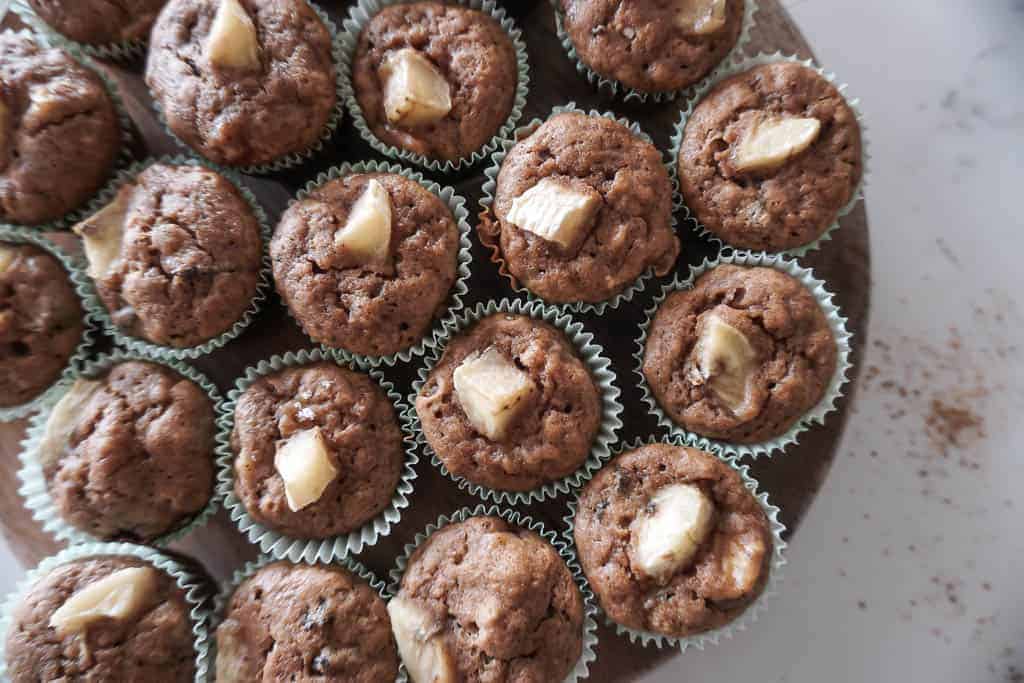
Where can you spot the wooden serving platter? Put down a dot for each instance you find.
(792, 479)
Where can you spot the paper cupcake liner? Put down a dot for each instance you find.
(582, 668)
(185, 579)
(291, 159)
(752, 611)
(731, 69)
(279, 545)
(489, 190)
(590, 352)
(124, 50)
(80, 281)
(615, 88)
(34, 490)
(464, 258)
(816, 415)
(99, 310)
(361, 14)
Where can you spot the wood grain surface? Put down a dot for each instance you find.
(792, 479)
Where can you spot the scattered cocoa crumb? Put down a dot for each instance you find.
(861, 604)
(947, 424)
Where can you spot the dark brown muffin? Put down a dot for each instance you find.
(630, 231)
(99, 22)
(129, 455)
(357, 424)
(40, 321)
(497, 603)
(470, 50)
(652, 46)
(153, 644)
(299, 622)
(776, 207)
(239, 111)
(710, 580)
(340, 300)
(59, 132)
(771, 363)
(184, 255)
(551, 435)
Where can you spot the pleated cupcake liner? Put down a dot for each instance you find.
(192, 585)
(592, 355)
(457, 206)
(33, 487)
(616, 88)
(80, 281)
(489, 191)
(291, 159)
(119, 51)
(727, 70)
(282, 546)
(751, 613)
(99, 310)
(565, 551)
(361, 14)
(814, 416)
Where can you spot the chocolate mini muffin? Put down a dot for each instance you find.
(741, 356)
(318, 450)
(59, 132)
(243, 82)
(41, 321)
(583, 207)
(99, 22)
(175, 256)
(366, 262)
(653, 46)
(128, 455)
(434, 79)
(102, 618)
(510, 405)
(300, 622)
(671, 540)
(770, 156)
(483, 600)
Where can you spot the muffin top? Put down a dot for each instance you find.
(583, 207)
(318, 450)
(243, 82)
(653, 46)
(289, 620)
(51, 108)
(371, 294)
(40, 321)
(769, 157)
(506, 609)
(434, 79)
(741, 356)
(175, 256)
(128, 455)
(671, 540)
(99, 22)
(147, 637)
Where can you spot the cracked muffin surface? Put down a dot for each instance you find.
(59, 132)
(99, 22)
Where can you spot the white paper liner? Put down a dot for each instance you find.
(592, 355)
(124, 50)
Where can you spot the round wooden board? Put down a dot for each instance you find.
(792, 479)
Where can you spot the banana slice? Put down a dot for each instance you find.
(64, 418)
(700, 17)
(492, 391)
(7, 255)
(771, 141)
(423, 651)
(415, 91)
(117, 596)
(367, 232)
(103, 232)
(726, 361)
(557, 211)
(304, 463)
(233, 42)
(741, 558)
(665, 538)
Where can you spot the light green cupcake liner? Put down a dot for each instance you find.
(464, 259)
(816, 415)
(283, 547)
(80, 281)
(582, 668)
(185, 579)
(489, 190)
(34, 490)
(731, 69)
(751, 613)
(615, 88)
(590, 352)
(292, 159)
(139, 345)
(361, 14)
(122, 51)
